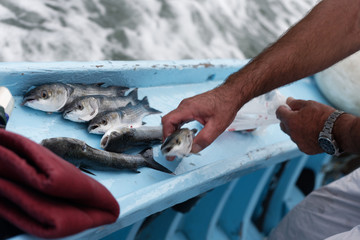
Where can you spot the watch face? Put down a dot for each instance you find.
(327, 145)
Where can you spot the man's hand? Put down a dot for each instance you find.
(215, 109)
(303, 122)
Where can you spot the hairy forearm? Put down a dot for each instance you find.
(346, 133)
(329, 33)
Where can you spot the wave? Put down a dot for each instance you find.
(87, 30)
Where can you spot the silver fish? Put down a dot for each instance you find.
(123, 139)
(83, 109)
(54, 97)
(179, 143)
(130, 116)
(83, 156)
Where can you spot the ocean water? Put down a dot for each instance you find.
(87, 30)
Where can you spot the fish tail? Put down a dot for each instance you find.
(147, 153)
(145, 103)
(134, 94)
(120, 90)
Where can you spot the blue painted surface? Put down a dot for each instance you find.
(165, 83)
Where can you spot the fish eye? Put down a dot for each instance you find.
(104, 122)
(81, 107)
(178, 141)
(44, 94)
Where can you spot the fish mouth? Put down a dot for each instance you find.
(27, 99)
(93, 127)
(165, 150)
(104, 141)
(65, 113)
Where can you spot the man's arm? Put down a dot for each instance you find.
(329, 33)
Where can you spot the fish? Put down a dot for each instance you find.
(54, 97)
(128, 116)
(86, 157)
(179, 143)
(85, 108)
(120, 140)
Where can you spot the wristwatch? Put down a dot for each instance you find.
(326, 138)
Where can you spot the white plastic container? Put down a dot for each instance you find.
(6, 105)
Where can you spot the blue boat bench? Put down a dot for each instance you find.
(242, 184)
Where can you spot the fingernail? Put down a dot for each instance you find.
(196, 148)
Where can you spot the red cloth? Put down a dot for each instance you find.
(46, 196)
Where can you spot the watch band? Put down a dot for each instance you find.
(326, 137)
(329, 123)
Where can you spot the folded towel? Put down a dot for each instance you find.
(45, 195)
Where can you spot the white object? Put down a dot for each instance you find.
(6, 100)
(258, 112)
(340, 84)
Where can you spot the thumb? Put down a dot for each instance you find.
(283, 112)
(205, 137)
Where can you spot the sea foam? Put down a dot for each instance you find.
(87, 30)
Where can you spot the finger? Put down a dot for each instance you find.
(283, 128)
(174, 120)
(283, 112)
(295, 104)
(205, 137)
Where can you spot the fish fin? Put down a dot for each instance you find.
(86, 171)
(135, 170)
(143, 123)
(134, 94)
(121, 91)
(153, 111)
(147, 153)
(145, 103)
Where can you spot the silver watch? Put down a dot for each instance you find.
(326, 138)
